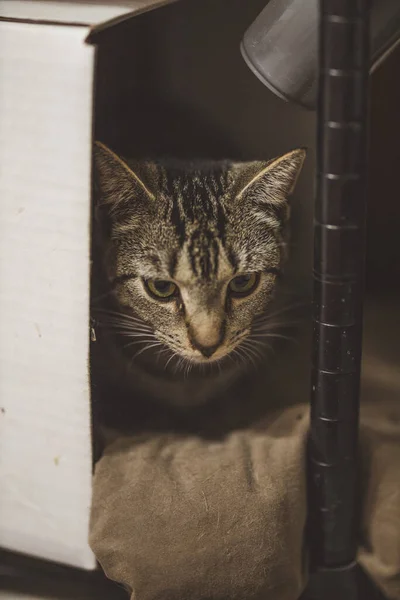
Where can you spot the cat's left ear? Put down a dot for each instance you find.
(270, 183)
(118, 184)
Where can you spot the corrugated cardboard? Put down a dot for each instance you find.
(46, 102)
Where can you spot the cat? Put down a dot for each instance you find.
(187, 262)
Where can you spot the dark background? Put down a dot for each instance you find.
(173, 82)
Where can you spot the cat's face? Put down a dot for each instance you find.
(194, 252)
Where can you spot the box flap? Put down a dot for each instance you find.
(97, 14)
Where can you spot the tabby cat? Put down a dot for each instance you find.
(187, 261)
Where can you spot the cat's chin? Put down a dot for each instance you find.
(198, 360)
(182, 383)
(202, 360)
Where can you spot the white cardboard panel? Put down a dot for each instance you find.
(88, 12)
(46, 87)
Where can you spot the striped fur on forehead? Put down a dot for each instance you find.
(217, 214)
(195, 191)
(197, 212)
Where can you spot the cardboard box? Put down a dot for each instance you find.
(47, 73)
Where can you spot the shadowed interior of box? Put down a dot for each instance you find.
(173, 83)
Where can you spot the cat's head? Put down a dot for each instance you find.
(194, 251)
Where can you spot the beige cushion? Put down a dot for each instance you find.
(380, 537)
(179, 517)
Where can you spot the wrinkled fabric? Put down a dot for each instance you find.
(175, 517)
(379, 552)
(178, 517)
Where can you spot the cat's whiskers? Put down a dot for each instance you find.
(120, 315)
(140, 341)
(258, 344)
(148, 347)
(173, 355)
(247, 345)
(188, 368)
(265, 326)
(239, 352)
(123, 324)
(267, 335)
(271, 324)
(132, 328)
(164, 351)
(249, 349)
(128, 330)
(178, 365)
(120, 323)
(267, 316)
(251, 353)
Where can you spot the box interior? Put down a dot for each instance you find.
(172, 82)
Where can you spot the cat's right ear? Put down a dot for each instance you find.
(116, 184)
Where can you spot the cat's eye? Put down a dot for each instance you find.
(161, 288)
(243, 285)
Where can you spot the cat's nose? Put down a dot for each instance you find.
(207, 351)
(206, 331)
(208, 339)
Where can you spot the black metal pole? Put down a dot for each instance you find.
(339, 254)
